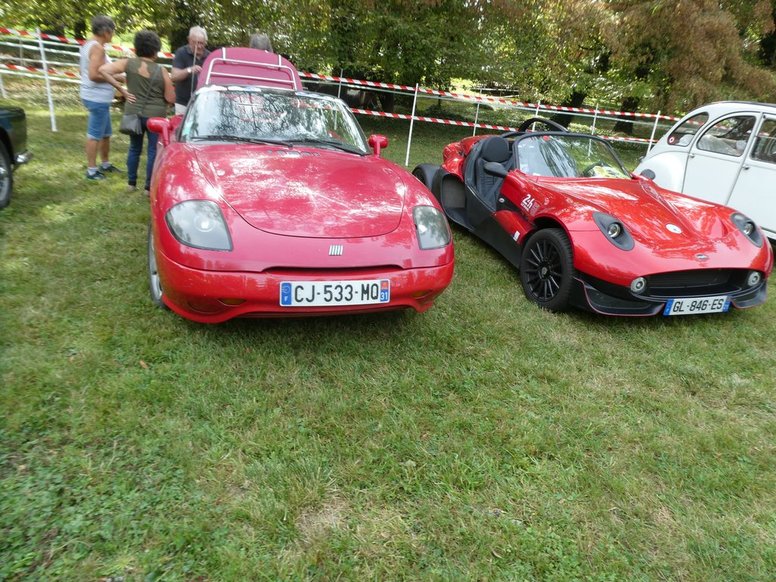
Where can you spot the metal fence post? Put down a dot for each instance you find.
(476, 118)
(48, 81)
(654, 129)
(412, 122)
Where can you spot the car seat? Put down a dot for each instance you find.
(487, 187)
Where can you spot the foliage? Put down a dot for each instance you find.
(668, 54)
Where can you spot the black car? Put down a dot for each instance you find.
(13, 147)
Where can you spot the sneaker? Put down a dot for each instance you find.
(110, 169)
(96, 176)
(131, 188)
(147, 192)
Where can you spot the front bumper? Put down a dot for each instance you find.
(594, 295)
(217, 296)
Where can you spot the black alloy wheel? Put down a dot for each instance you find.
(547, 269)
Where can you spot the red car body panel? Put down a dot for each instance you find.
(294, 213)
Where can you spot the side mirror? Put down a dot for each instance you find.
(495, 169)
(378, 142)
(175, 121)
(648, 174)
(161, 126)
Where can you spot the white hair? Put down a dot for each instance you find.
(198, 31)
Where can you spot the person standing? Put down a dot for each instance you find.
(150, 90)
(186, 65)
(97, 95)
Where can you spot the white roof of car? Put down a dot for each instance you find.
(723, 107)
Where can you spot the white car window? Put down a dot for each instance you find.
(682, 135)
(728, 136)
(764, 148)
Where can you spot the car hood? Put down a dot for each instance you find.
(305, 191)
(653, 216)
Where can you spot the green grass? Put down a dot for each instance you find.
(484, 439)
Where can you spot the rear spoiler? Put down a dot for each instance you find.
(247, 66)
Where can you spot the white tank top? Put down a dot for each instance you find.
(100, 92)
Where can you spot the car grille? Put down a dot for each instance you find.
(696, 282)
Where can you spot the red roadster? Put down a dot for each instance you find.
(585, 232)
(267, 201)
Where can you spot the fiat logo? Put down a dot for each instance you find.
(336, 250)
(673, 228)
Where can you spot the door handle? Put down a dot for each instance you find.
(746, 167)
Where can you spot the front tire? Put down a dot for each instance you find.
(154, 282)
(6, 176)
(547, 269)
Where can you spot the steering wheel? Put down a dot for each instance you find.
(530, 121)
(548, 122)
(586, 171)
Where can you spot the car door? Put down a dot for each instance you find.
(717, 156)
(754, 193)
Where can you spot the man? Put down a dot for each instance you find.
(97, 95)
(186, 65)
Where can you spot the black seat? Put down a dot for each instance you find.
(486, 186)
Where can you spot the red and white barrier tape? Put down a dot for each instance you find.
(472, 124)
(67, 40)
(52, 72)
(484, 99)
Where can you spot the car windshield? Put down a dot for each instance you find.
(568, 156)
(253, 115)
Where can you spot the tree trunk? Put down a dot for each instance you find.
(576, 99)
(626, 125)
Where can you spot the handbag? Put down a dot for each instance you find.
(130, 122)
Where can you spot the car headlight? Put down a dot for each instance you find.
(431, 226)
(747, 226)
(614, 230)
(199, 224)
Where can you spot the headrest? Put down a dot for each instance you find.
(495, 149)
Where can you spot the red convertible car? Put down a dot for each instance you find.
(267, 200)
(585, 232)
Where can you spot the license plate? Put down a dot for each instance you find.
(697, 305)
(326, 293)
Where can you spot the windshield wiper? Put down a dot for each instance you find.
(237, 138)
(331, 143)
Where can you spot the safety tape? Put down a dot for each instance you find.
(472, 124)
(485, 99)
(405, 88)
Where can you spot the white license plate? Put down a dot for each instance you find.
(696, 305)
(326, 293)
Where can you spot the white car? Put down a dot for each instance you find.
(723, 152)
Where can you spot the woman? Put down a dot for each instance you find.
(149, 91)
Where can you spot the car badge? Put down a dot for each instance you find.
(336, 250)
(673, 228)
(702, 257)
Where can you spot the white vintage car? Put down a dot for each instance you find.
(723, 152)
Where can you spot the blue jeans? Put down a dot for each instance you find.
(98, 123)
(136, 149)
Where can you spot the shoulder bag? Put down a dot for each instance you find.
(130, 122)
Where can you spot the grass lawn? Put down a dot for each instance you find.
(482, 440)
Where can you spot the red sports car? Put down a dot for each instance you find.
(585, 232)
(267, 200)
